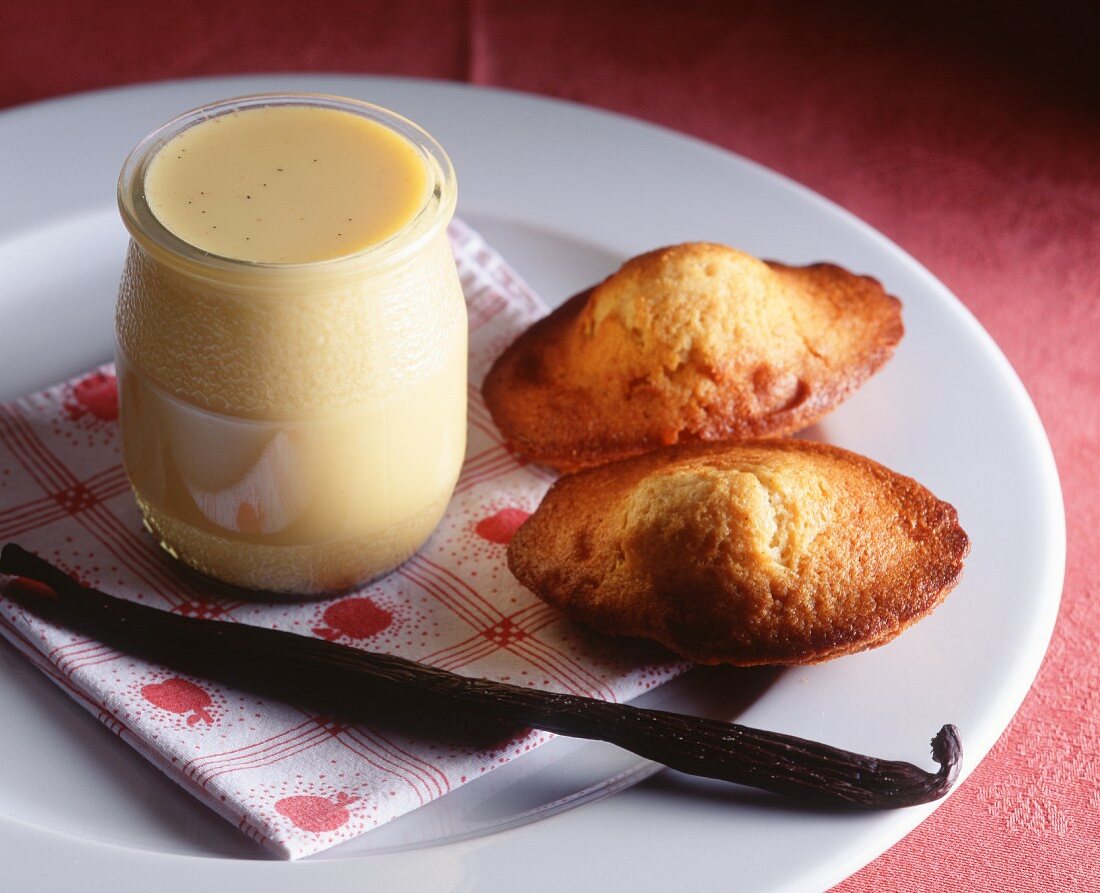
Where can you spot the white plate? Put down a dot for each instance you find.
(565, 193)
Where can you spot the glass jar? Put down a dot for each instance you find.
(293, 427)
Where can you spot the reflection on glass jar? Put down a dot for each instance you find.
(296, 426)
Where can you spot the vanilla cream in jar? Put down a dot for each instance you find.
(291, 340)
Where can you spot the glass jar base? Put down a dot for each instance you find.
(306, 570)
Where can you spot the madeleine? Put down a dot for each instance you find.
(695, 342)
(762, 552)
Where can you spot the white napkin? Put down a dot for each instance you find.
(295, 782)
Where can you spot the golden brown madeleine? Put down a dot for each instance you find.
(694, 342)
(761, 552)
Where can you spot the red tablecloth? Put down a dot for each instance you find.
(967, 132)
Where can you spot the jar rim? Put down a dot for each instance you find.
(146, 228)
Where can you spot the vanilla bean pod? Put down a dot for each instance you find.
(360, 686)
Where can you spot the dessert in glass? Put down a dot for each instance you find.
(291, 340)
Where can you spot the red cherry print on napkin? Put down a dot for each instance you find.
(356, 618)
(501, 527)
(180, 696)
(316, 813)
(96, 394)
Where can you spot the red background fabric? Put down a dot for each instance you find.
(967, 132)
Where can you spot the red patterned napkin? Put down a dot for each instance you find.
(295, 782)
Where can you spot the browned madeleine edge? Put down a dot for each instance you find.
(602, 488)
(566, 429)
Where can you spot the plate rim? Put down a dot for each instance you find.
(1012, 696)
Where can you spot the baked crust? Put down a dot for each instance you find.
(761, 552)
(694, 342)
